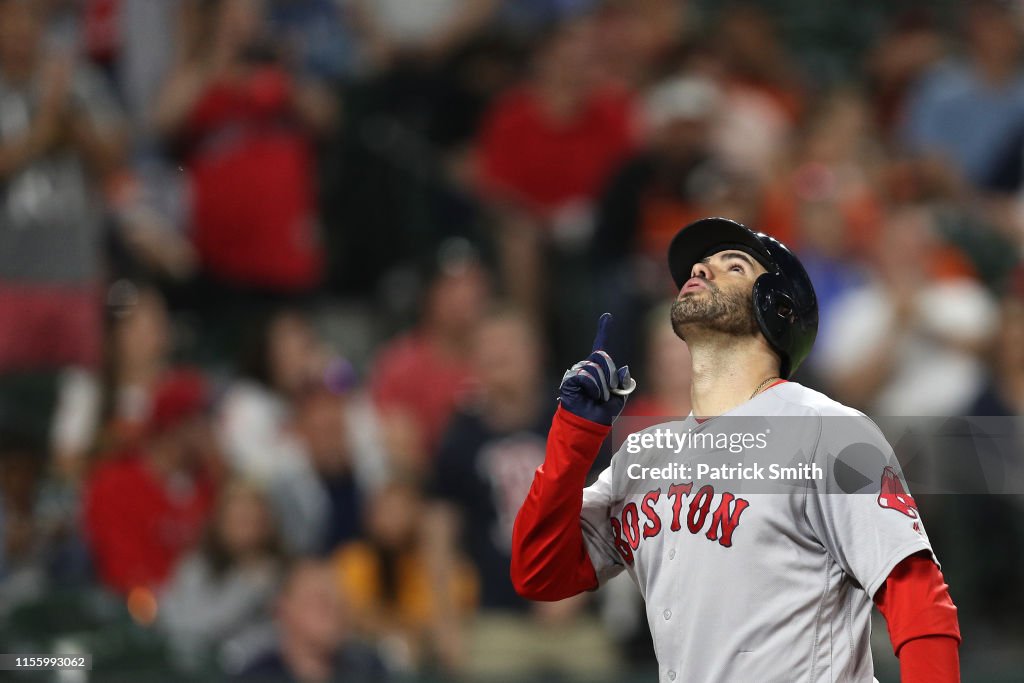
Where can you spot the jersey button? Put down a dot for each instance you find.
(667, 614)
(671, 675)
(671, 554)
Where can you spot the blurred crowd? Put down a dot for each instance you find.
(286, 287)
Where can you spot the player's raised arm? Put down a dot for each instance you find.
(549, 556)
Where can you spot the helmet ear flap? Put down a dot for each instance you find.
(776, 314)
(788, 325)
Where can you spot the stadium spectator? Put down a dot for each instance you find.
(314, 642)
(671, 181)
(320, 422)
(906, 49)
(245, 128)
(1003, 393)
(108, 414)
(756, 59)
(552, 142)
(836, 162)
(826, 201)
(389, 579)
(226, 586)
(144, 509)
(908, 341)
(130, 42)
(963, 112)
(296, 423)
(674, 179)
(138, 354)
(59, 137)
(283, 361)
(484, 468)
(418, 378)
(831, 249)
(763, 91)
(492, 446)
(637, 39)
(546, 149)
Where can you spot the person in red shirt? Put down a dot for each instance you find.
(246, 129)
(555, 139)
(418, 378)
(145, 509)
(546, 149)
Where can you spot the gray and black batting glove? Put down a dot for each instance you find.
(595, 389)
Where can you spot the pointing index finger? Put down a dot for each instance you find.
(604, 323)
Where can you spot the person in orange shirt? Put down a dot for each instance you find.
(405, 589)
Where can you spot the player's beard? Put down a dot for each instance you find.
(728, 313)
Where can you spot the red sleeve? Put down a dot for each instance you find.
(549, 558)
(922, 621)
(930, 658)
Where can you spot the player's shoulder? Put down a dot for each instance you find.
(799, 399)
(836, 422)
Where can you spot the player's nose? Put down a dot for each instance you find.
(701, 270)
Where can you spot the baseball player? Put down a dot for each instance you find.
(752, 587)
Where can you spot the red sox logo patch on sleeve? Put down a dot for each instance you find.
(893, 496)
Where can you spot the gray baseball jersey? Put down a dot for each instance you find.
(744, 582)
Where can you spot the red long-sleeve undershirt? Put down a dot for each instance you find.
(549, 557)
(550, 560)
(921, 616)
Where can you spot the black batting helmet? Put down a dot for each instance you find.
(784, 301)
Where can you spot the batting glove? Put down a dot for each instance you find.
(595, 389)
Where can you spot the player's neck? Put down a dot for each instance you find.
(725, 375)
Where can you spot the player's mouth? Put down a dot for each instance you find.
(694, 284)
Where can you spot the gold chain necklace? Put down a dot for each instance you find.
(761, 386)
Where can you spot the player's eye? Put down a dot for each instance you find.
(737, 268)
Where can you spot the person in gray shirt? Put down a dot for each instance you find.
(225, 588)
(60, 138)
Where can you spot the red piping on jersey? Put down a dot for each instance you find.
(922, 621)
(549, 557)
